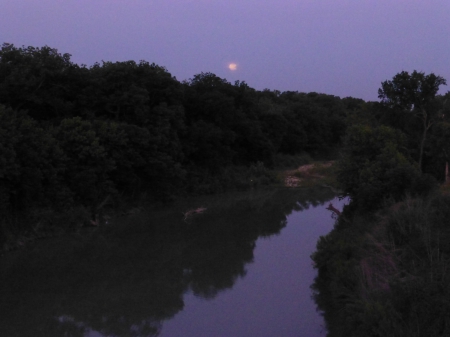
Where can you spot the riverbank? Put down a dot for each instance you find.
(155, 263)
(78, 218)
(386, 273)
(318, 173)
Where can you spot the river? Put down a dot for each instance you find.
(242, 268)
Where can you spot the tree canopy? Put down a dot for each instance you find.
(82, 133)
(414, 93)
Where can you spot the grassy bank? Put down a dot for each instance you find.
(386, 274)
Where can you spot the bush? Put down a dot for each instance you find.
(387, 275)
(375, 166)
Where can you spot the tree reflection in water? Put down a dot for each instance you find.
(127, 278)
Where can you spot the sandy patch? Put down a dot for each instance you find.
(306, 171)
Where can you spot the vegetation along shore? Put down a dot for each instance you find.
(383, 270)
(80, 144)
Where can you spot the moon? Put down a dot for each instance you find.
(232, 66)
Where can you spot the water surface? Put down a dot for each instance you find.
(242, 268)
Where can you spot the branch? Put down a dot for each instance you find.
(333, 209)
(193, 212)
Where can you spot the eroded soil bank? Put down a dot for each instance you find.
(317, 173)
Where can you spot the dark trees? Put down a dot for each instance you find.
(86, 163)
(223, 127)
(39, 80)
(414, 94)
(71, 135)
(127, 91)
(30, 168)
(316, 122)
(375, 165)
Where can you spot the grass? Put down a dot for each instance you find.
(389, 271)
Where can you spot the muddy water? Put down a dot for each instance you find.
(242, 268)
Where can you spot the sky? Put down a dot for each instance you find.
(338, 47)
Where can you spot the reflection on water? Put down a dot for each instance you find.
(132, 277)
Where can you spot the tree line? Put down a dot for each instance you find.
(383, 270)
(401, 146)
(72, 135)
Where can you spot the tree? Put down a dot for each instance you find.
(127, 91)
(414, 94)
(437, 149)
(30, 166)
(39, 80)
(87, 164)
(223, 127)
(375, 166)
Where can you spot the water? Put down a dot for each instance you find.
(242, 268)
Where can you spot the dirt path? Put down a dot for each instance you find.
(294, 178)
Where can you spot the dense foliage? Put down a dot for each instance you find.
(383, 270)
(76, 136)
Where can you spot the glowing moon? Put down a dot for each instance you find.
(232, 66)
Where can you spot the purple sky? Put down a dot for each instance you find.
(339, 47)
